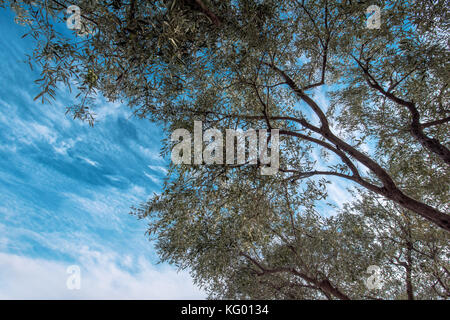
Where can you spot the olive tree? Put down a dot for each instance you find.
(382, 127)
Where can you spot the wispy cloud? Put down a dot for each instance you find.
(158, 168)
(101, 278)
(152, 178)
(89, 161)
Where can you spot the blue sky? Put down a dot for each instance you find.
(66, 190)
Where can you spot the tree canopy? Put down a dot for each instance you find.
(366, 106)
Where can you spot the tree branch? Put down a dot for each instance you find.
(325, 284)
(416, 128)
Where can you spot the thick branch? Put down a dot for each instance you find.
(416, 128)
(434, 123)
(325, 284)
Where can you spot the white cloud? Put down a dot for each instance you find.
(153, 155)
(101, 278)
(338, 193)
(29, 132)
(89, 161)
(155, 180)
(64, 146)
(138, 190)
(158, 168)
(106, 109)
